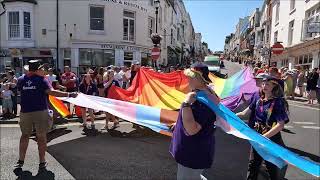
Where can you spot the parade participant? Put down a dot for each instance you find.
(270, 115)
(274, 72)
(34, 89)
(12, 80)
(134, 70)
(126, 74)
(89, 88)
(193, 140)
(312, 85)
(288, 79)
(300, 82)
(117, 76)
(108, 82)
(99, 79)
(69, 79)
(6, 95)
(50, 76)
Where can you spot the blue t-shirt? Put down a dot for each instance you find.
(196, 151)
(33, 93)
(88, 90)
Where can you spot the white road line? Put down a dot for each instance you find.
(307, 123)
(311, 127)
(288, 127)
(306, 107)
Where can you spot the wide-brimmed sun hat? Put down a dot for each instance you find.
(198, 68)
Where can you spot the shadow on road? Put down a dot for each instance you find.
(27, 175)
(54, 134)
(305, 154)
(116, 155)
(288, 131)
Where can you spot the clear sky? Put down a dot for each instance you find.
(216, 19)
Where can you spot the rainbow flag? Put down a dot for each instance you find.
(168, 90)
(59, 106)
(161, 120)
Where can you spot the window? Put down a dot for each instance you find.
(292, 4)
(97, 18)
(150, 26)
(165, 13)
(305, 59)
(300, 59)
(27, 25)
(14, 25)
(128, 26)
(96, 57)
(312, 16)
(128, 58)
(290, 34)
(275, 37)
(165, 38)
(178, 34)
(171, 37)
(310, 58)
(277, 11)
(151, 2)
(67, 57)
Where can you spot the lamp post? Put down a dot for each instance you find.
(157, 5)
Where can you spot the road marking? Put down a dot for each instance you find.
(307, 123)
(311, 127)
(9, 125)
(288, 127)
(306, 107)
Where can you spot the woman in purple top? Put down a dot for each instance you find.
(193, 141)
(270, 115)
(89, 88)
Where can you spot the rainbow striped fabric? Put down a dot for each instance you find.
(168, 90)
(160, 121)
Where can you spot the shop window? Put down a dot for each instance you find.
(97, 57)
(67, 57)
(310, 58)
(290, 34)
(305, 59)
(150, 26)
(296, 60)
(97, 18)
(128, 26)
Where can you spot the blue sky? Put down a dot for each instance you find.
(216, 19)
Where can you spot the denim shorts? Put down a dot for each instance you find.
(7, 103)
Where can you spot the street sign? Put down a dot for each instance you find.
(155, 53)
(277, 48)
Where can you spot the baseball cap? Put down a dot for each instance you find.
(261, 76)
(33, 65)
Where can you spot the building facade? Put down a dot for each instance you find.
(90, 33)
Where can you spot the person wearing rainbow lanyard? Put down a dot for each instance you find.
(270, 115)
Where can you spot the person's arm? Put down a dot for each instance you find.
(245, 113)
(108, 83)
(189, 123)
(58, 93)
(274, 130)
(73, 78)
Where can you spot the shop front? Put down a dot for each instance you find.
(89, 55)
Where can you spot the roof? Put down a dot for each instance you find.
(27, 1)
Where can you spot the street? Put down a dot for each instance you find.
(126, 153)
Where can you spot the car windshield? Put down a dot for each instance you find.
(212, 63)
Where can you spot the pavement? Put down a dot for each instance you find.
(129, 153)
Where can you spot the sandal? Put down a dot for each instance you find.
(115, 125)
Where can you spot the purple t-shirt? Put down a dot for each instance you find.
(33, 95)
(196, 151)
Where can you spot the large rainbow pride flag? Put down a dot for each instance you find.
(168, 90)
(160, 121)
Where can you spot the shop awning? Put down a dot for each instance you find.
(178, 50)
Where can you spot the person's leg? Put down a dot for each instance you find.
(254, 165)
(15, 105)
(184, 173)
(84, 116)
(92, 118)
(273, 171)
(318, 95)
(42, 146)
(107, 120)
(26, 129)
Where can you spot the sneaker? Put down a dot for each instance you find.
(85, 128)
(93, 126)
(43, 166)
(19, 164)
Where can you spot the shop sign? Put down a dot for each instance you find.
(5, 53)
(122, 47)
(128, 4)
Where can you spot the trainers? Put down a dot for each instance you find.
(93, 126)
(19, 164)
(43, 166)
(85, 128)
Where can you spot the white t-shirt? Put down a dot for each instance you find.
(51, 78)
(118, 77)
(6, 94)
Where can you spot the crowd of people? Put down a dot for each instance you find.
(296, 82)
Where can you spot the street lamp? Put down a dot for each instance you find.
(157, 5)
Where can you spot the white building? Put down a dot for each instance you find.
(91, 33)
(198, 43)
(291, 21)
